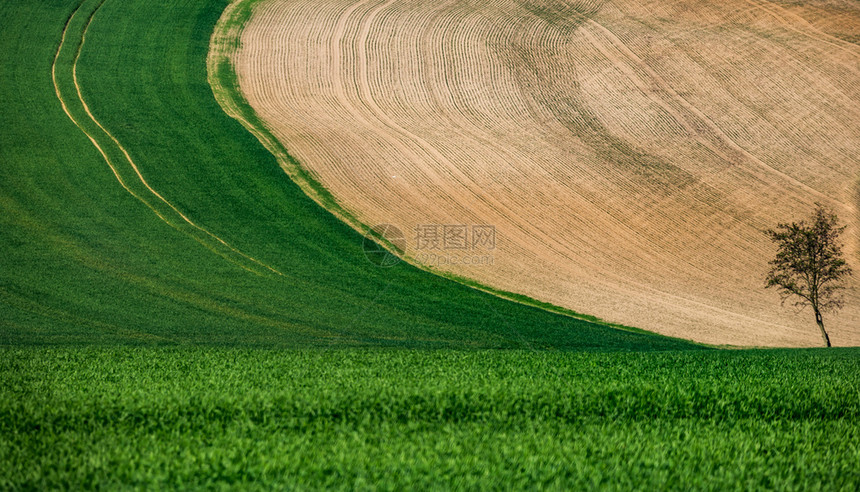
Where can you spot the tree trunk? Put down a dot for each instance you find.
(821, 327)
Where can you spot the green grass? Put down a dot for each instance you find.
(86, 263)
(395, 419)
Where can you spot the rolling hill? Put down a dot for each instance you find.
(136, 212)
(628, 154)
(183, 305)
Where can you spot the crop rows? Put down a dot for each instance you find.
(628, 153)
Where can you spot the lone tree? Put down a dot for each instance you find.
(809, 266)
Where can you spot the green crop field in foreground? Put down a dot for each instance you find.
(395, 419)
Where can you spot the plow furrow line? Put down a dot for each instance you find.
(629, 153)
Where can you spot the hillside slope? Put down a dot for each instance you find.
(173, 225)
(628, 153)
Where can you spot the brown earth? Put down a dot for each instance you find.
(628, 153)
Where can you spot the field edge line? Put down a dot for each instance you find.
(223, 80)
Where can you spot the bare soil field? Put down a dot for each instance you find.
(627, 153)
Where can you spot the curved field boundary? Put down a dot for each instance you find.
(87, 263)
(225, 86)
(630, 153)
(80, 21)
(222, 78)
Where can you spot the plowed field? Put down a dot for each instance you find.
(627, 153)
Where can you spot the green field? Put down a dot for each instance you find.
(230, 331)
(396, 419)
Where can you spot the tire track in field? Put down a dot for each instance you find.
(80, 127)
(184, 218)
